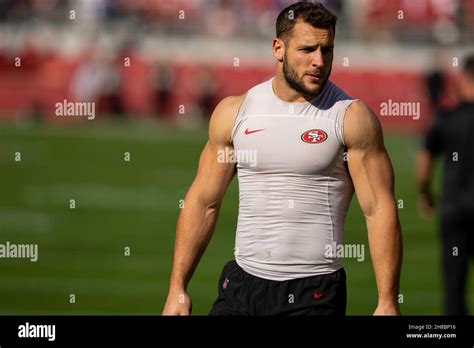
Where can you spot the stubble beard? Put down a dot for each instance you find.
(297, 83)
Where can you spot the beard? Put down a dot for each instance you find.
(297, 83)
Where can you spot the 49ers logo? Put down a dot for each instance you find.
(314, 136)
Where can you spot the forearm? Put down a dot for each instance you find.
(194, 229)
(424, 164)
(386, 249)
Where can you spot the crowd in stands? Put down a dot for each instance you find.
(33, 30)
(448, 21)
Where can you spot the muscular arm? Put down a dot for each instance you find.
(372, 175)
(202, 202)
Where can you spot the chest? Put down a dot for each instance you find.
(291, 144)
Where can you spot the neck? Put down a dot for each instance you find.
(283, 91)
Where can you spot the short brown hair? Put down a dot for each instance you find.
(315, 14)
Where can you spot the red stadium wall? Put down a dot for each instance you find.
(42, 81)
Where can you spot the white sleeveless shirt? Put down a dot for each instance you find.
(294, 185)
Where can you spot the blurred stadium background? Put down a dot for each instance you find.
(155, 69)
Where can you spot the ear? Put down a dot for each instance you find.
(278, 49)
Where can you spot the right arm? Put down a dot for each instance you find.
(433, 146)
(424, 172)
(202, 202)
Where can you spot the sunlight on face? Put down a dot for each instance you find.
(308, 58)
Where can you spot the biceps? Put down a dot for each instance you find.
(214, 174)
(372, 175)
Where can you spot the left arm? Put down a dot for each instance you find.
(373, 178)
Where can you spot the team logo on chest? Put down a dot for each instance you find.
(314, 136)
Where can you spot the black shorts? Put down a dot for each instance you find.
(241, 293)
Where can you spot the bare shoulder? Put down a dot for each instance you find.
(361, 126)
(222, 119)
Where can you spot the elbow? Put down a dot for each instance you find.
(386, 209)
(209, 204)
(213, 206)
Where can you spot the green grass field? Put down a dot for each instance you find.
(135, 204)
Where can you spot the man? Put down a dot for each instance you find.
(295, 187)
(452, 137)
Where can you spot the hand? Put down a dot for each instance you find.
(426, 204)
(387, 309)
(178, 303)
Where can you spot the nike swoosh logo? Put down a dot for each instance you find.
(247, 131)
(321, 294)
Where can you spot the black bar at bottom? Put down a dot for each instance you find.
(155, 330)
